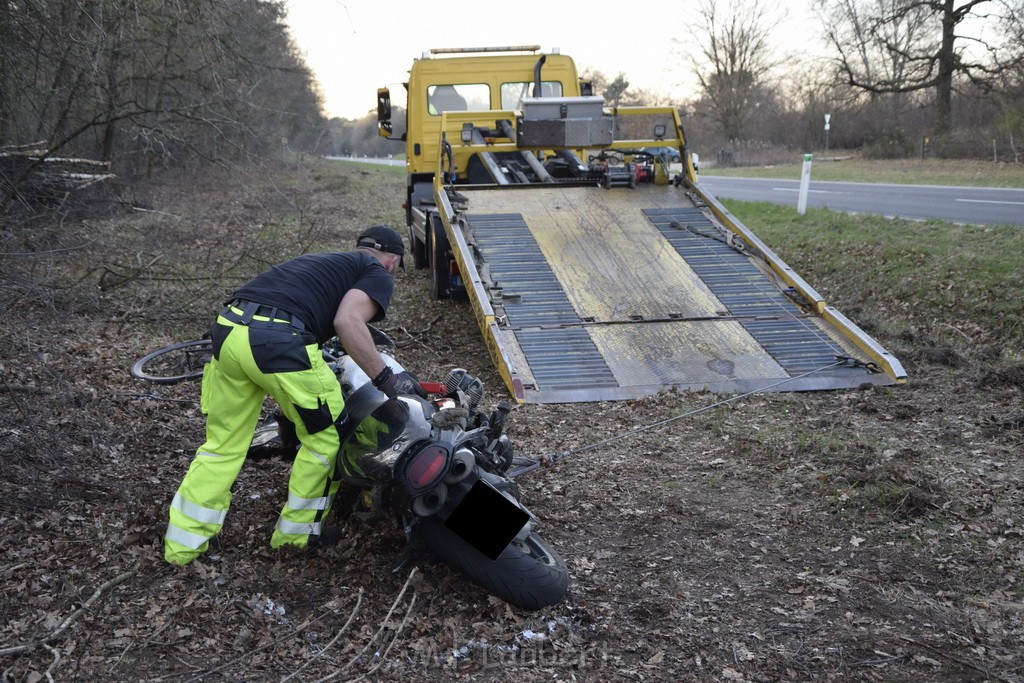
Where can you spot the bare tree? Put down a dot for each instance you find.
(732, 61)
(908, 46)
(139, 81)
(852, 28)
(1010, 91)
(615, 91)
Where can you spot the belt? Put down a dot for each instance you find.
(242, 312)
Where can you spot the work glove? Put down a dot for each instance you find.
(393, 384)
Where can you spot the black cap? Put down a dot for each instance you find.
(383, 238)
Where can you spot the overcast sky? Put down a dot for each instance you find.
(356, 46)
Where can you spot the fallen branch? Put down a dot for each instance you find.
(957, 330)
(28, 647)
(27, 389)
(961, 662)
(288, 636)
(161, 213)
(32, 175)
(30, 421)
(87, 162)
(394, 639)
(168, 620)
(380, 630)
(416, 339)
(84, 180)
(119, 279)
(351, 616)
(56, 660)
(31, 146)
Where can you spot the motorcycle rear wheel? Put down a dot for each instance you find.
(529, 575)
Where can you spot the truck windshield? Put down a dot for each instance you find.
(512, 93)
(462, 97)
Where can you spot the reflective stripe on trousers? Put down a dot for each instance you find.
(208, 517)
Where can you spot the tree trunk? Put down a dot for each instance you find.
(110, 128)
(943, 121)
(6, 62)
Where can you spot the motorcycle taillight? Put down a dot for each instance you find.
(426, 467)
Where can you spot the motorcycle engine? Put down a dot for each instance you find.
(470, 388)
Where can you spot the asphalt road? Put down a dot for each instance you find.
(974, 205)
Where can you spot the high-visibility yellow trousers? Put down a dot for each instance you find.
(251, 361)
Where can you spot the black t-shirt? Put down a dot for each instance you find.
(311, 287)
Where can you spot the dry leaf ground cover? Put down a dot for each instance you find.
(856, 535)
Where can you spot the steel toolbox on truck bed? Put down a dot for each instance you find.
(593, 272)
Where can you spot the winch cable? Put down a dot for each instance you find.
(549, 460)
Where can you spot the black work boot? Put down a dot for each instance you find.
(329, 536)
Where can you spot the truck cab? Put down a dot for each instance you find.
(507, 116)
(493, 80)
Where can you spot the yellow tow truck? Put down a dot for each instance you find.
(597, 268)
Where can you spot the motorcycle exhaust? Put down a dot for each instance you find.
(429, 503)
(461, 465)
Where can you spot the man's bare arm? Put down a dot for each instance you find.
(354, 312)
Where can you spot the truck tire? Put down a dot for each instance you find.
(418, 250)
(440, 274)
(529, 575)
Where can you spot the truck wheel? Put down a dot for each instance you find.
(440, 271)
(418, 250)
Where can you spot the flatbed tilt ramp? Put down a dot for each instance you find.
(591, 293)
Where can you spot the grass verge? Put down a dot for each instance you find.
(901, 277)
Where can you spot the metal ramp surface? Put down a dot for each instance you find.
(611, 294)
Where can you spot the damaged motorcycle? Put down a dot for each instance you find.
(439, 467)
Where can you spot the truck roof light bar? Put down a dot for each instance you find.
(465, 50)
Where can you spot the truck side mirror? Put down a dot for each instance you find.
(586, 88)
(384, 127)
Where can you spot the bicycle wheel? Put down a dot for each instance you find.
(174, 363)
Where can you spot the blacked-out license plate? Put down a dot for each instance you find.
(487, 520)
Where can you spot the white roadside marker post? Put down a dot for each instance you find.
(805, 183)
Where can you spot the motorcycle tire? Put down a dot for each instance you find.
(529, 575)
